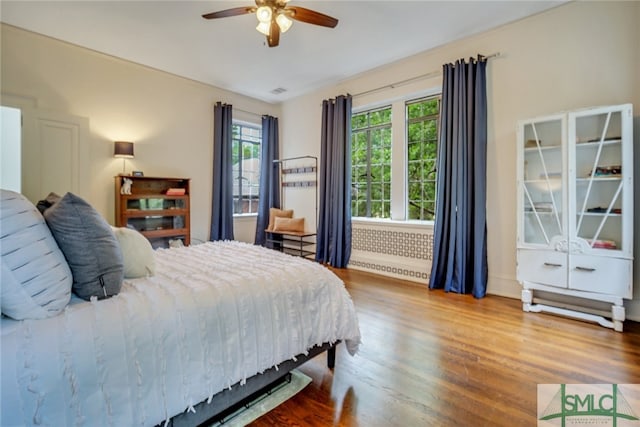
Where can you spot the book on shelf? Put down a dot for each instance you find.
(603, 244)
(176, 192)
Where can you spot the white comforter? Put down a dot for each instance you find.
(214, 314)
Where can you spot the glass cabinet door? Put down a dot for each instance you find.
(542, 189)
(598, 197)
(156, 213)
(157, 222)
(155, 203)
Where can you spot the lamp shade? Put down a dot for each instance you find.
(264, 28)
(123, 149)
(264, 14)
(284, 22)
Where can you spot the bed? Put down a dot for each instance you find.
(213, 317)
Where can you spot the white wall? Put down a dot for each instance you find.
(578, 55)
(10, 171)
(169, 118)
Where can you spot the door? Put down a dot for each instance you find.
(10, 149)
(55, 154)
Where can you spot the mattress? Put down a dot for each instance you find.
(213, 315)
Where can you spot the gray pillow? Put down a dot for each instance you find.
(90, 247)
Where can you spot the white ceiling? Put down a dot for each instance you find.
(229, 52)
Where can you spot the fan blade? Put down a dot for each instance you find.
(310, 16)
(230, 12)
(273, 39)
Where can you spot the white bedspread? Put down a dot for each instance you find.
(214, 314)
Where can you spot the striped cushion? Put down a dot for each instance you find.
(36, 279)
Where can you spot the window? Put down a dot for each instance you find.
(422, 150)
(246, 141)
(394, 158)
(371, 163)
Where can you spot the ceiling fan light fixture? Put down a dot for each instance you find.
(264, 14)
(284, 22)
(276, 17)
(264, 28)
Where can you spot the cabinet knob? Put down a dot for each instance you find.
(587, 269)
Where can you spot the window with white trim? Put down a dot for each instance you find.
(422, 152)
(371, 163)
(246, 144)
(394, 158)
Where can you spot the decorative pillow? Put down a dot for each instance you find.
(89, 245)
(36, 279)
(137, 253)
(278, 213)
(45, 204)
(289, 224)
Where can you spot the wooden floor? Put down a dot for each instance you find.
(429, 358)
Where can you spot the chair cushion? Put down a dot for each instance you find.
(36, 279)
(89, 245)
(289, 224)
(278, 213)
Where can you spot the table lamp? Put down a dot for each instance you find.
(123, 149)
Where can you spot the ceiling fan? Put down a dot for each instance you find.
(275, 16)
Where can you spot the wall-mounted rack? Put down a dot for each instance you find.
(307, 169)
(299, 184)
(302, 177)
(307, 177)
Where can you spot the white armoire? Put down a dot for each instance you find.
(575, 213)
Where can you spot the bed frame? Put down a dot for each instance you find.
(238, 395)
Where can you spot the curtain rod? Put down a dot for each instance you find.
(412, 79)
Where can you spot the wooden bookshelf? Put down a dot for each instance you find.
(148, 209)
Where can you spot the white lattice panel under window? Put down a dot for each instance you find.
(398, 250)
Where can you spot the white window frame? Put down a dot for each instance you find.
(399, 209)
(252, 125)
(370, 129)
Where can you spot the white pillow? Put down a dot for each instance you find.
(36, 279)
(139, 257)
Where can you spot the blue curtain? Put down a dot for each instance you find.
(460, 238)
(333, 245)
(222, 200)
(269, 176)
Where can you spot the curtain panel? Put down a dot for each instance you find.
(460, 231)
(333, 245)
(222, 195)
(269, 176)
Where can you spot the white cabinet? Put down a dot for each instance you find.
(575, 213)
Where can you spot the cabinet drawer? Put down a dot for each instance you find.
(601, 274)
(545, 267)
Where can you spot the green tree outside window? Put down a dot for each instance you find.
(422, 151)
(371, 163)
(245, 154)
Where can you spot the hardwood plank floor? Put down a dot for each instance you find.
(429, 358)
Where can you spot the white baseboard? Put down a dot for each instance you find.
(503, 287)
